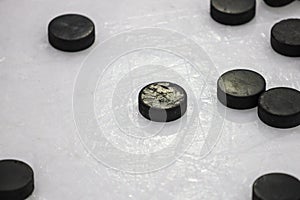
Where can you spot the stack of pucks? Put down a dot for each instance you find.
(280, 107)
(232, 12)
(71, 32)
(240, 88)
(285, 37)
(278, 3)
(276, 186)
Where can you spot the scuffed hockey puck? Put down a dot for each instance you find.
(276, 186)
(233, 12)
(280, 107)
(240, 88)
(285, 37)
(162, 101)
(71, 32)
(16, 180)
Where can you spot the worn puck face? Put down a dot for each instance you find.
(285, 37)
(280, 107)
(276, 186)
(16, 180)
(71, 32)
(278, 3)
(162, 101)
(240, 89)
(233, 12)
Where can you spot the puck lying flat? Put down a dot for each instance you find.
(162, 102)
(16, 180)
(71, 32)
(280, 107)
(278, 3)
(233, 12)
(285, 37)
(276, 186)
(240, 89)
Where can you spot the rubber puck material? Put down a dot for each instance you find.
(240, 88)
(16, 180)
(278, 3)
(233, 12)
(162, 101)
(280, 107)
(276, 186)
(71, 32)
(285, 37)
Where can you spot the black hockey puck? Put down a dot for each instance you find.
(162, 101)
(285, 37)
(16, 180)
(71, 32)
(280, 107)
(233, 12)
(240, 89)
(278, 3)
(276, 186)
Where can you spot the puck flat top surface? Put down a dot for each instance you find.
(71, 32)
(280, 107)
(276, 186)
(281, 101)
(162, 101)
(278, 3)
(233, 12)
(287, 31)
(16, 180)
(285, 37)
(240, 88)
(162, 95)
(233, 6)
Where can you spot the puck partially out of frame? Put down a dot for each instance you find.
(278, 3)
(16, 180)
(276, 186)
(233, 12)
(240, 88)
(71, 32)
(285, 37)
(162, 101)
(280, 107)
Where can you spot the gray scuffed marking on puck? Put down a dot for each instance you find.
(162, 101)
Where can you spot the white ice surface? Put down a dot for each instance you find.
(36, 114)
